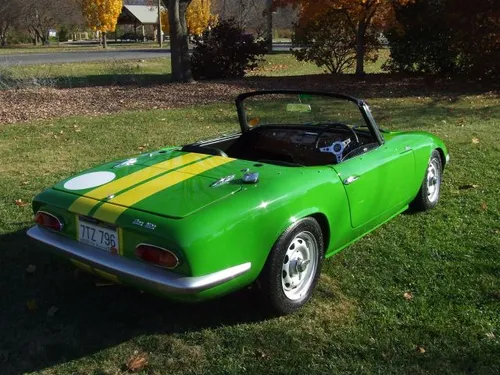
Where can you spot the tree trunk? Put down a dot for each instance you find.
(3, 34)
(269, 30)
(159, 35)
(179, 47)
(360, 49)
(104, 40)
(186, 60)
(175, 33)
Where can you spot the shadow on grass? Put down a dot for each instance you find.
(141, 80)
(88, 318)
(103, 80)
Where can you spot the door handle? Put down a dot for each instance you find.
(406, 149)
(350, 180)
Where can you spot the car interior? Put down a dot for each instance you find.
(295, 128)
(297, 146)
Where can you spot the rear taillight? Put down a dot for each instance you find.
(157, 255)
(49, 221)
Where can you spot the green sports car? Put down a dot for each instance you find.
(309, 174)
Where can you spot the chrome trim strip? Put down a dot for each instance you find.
(141, 274)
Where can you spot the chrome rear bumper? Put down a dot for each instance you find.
(137, 273)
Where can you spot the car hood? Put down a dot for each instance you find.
(168, 183)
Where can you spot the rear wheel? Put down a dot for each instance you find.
(428, 195)
(293, 267)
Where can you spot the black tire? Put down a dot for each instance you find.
(277, 286)
(428, 195)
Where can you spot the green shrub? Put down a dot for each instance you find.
(225, 51)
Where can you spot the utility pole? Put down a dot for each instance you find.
(160, 39)
(269, 31)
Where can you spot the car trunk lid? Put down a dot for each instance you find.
(172, 184)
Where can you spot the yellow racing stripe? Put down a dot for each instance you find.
(110, 212)
(84, 204)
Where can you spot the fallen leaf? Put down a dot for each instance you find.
(137, 362)
(261, 354)
(468, 186)
(490, 335)
(31, 269)
(484, 206)
(25, 183)
(475, 140)
(20, 203)
(420, 349)
(31, 305)
(52, 311)
(408, 296)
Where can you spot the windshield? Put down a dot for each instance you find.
(299, 109)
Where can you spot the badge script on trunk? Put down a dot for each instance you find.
(140, 223)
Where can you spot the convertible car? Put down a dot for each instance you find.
(309, 174)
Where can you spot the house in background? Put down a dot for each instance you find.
(144, 17)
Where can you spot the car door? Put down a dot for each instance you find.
(378, 182)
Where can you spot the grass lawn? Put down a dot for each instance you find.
(419, 295)
(107, 72)
(143, 71)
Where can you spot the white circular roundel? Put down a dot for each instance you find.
(89, 180)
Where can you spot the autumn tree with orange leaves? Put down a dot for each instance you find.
(198, 17)
(102, 15)
(363, 16)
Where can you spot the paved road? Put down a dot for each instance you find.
(86, 56)
(81, 56)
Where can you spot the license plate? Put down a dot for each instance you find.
(100, 236)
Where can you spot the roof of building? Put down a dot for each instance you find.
(144, 14)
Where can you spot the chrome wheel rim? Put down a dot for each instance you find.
(299, 266)
(433, 181)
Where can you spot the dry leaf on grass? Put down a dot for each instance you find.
(31, 305)
(484, 206)
(137, 362)
(420, 349)
(475, 140)
(52, 311)
(408, 296)
(260, 354)
(468, 186)
(20, 203)
(490, 335)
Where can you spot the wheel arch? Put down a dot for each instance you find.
(442, 156)
(325, 228)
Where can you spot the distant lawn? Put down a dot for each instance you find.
(55, 47)
(285, 64)
(421, 295)
(142, 71)
(84, 74)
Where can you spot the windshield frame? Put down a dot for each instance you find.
(362, 106)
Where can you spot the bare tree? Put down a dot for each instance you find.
(9, 13)
(248, 14)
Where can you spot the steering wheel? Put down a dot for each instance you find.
(336, 148)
